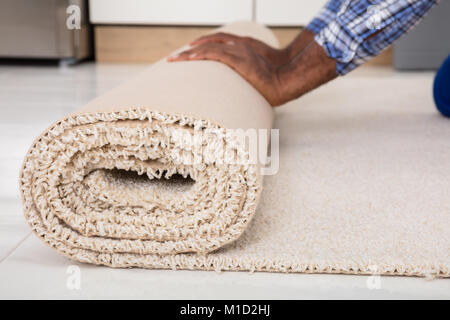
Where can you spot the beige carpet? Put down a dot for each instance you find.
(363, 187)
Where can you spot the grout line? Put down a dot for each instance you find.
(10, 252)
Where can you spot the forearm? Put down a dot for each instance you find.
(309, 69)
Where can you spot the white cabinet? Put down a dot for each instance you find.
(170, 12)
(203, 12)
(287, 12)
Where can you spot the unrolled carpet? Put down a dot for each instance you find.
(110, 185)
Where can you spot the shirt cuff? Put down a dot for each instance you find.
(340, 44)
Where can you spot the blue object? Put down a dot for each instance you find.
(441, 88)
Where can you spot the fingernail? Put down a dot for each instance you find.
(231, 43)
(173, 57)
(192, 55)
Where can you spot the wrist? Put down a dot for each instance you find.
(289, 85)
(299, 44)
(305, 72)
(286, 55)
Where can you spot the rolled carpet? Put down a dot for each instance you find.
(362, 185)
(125, 181)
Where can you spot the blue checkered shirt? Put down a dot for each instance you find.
(353, 31)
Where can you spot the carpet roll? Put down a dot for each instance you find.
(135, 178)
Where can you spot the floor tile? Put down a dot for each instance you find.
(37, 272)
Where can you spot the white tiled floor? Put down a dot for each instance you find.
(31, 97)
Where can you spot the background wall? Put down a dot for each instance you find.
(427, 45)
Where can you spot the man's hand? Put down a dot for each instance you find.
(274, 56)
(279, 75)
(255, 61)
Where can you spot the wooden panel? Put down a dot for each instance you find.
(176, 12)
(287, 12)
(286, 35)
(141, 44)
(146, 44)
(384, 59)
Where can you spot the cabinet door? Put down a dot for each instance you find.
(169, 12)
(287, 12)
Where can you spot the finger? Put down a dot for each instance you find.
(211, 51)
(207, 51)
(220, 37)
(217, 52)
(215, 37)
(183, 56)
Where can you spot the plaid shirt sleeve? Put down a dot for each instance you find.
(325, 16)
(354, 31)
